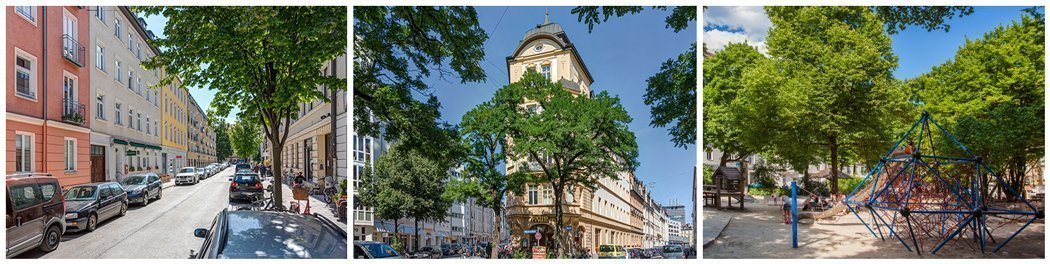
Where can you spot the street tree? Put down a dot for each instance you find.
(567, 141)
(730, 125)
(671, 92)
(262, 60)
(484, 132)
(406, 184)
(833, 78)
(395, 49)
(991, 97)
(245, 139)
(223, 149)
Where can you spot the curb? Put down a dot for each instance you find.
(712, 241)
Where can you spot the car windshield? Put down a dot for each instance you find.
(606, 248)
(672, 249)
(134, 179)
(186, 170)
(380, 250)
(81, 193)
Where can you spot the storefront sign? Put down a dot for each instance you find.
(539, 252)
(530, 231)
(133, 152)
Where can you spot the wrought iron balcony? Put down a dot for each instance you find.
(73, 112)
(73, 51)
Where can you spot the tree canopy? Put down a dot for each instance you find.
(727, 123)
(245, 139)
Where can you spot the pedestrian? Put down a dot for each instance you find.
(787, 209)
(299, 179)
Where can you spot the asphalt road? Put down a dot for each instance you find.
(162, 229)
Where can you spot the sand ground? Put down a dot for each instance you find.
(758, 231)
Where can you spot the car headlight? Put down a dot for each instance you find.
(72, 216)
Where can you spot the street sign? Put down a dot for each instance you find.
(133, 152)
(568, 227)
(539, 252)
(530, 231)
(539, 236)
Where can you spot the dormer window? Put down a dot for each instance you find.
(538, 47)
(546, 71)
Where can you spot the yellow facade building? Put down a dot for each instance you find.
(592, 218)
(173, 127)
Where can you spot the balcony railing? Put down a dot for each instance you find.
(73, 112)
(73, 51)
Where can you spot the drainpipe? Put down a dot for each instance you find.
(43, 82)
(331, 147)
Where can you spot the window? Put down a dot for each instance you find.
(117, 28)
(100, 14)
(709, 157)
(547, 195)
(100, 58)
(533, 195)
(27, 12)
(71, 154)
(546, 70)
(25, 75)
(116, 114)
(100, 103)
(131, 41)
(131, 79)
(23, 152)
(138, 83)
(116, 74)
(138, 122)
(23, 196)
(148, 130)
(131, 117)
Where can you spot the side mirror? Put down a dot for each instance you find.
(193, 254)
(200, 232)
(230, 179)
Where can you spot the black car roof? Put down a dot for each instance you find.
(267, 234)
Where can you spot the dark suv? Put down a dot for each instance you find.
(34, 213)
(270, 234)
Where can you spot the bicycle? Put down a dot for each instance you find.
(328, 191)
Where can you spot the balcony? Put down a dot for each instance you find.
(73, 112)
(73, 51)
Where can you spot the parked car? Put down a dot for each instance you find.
(92, 203)
(456, 249)
(446, 250)
(610, 251)
(141, 187)
(35, 213)
(672, 252)
(242, 166)
(635, 253)
(201, 174)
(238, 235)
(245, 186)
(374, 250)
(428, 252)
(187, 175)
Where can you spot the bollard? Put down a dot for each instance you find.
(794, 215)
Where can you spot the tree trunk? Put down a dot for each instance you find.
(397, 237)
(278, 177)
(558, 215)
(834, 166)
(417, 235)
(494, 244)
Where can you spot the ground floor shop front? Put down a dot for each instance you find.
(583, 231)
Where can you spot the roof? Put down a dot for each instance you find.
(552, 31)
(729, 173)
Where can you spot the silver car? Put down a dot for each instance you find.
(672, 252)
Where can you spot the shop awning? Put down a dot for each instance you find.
(119, 141)
(141, 145)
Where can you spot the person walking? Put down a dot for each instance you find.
(787, 209)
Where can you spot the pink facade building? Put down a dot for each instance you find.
(47, 92)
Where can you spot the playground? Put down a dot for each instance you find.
(759, 231)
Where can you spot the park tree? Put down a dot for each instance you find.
(566, 141)
(484, 136)
(245, 139)
(406, 184)
(223, 149)
(263, 60)
(395, 49)
(991, 97)
(730, 125)
(832, 81)
(671, 92)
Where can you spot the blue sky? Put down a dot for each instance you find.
(621, 54)
(918, 50)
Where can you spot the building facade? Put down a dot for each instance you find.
(311, 145)
(198, 132)
(592, 218)
(126, 116)
(48, 124)
(173, 132)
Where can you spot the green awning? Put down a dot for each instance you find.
(118, 141)
(141, 145)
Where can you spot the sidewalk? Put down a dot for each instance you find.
(714, 224)
(316, 206)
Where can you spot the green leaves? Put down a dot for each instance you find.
(396, 48)
(403, 183)
(671, 94)
(245, 138)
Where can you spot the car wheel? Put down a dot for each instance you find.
(52, 237)
(160, 193)
(92, 222)
(123, 208)
(145, 199)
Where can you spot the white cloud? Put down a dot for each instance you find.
(734, 25)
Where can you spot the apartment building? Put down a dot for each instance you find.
(592, 218)
(174, 143)
(125, 125)
(48, 124)
(197, 134)
(311, 146)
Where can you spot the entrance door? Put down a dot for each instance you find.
(98, 163)
(164, 163)
(329, 151)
